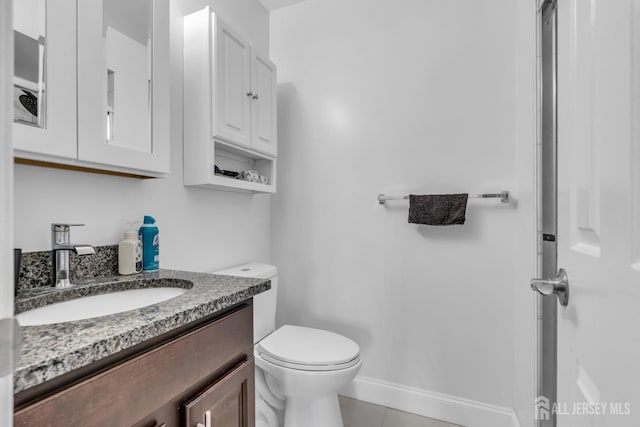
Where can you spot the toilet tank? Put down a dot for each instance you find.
(264, 304)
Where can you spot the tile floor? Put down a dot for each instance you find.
(356, 413)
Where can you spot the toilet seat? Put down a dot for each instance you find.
(302, 367)
(308, 349)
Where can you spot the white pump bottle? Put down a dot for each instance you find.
(130, 251)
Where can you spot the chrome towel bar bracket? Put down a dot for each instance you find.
(503, 196)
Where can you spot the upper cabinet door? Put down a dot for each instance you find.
(263, 108)
(44, 100)
(231, 109)
(123, 83)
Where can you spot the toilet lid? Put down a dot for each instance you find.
(297, 345)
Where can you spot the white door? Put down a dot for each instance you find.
(50, 24)
(6, 209)
(263, 106)
(232, 87)
(599, 212)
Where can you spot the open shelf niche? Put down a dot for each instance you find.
(232, 158)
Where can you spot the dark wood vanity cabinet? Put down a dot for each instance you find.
(200, 377)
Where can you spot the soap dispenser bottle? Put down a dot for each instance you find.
(130, 251)
(150, 244)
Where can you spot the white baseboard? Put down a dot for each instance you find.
(426, 403)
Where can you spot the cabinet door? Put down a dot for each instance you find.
(231, 103)
(45, 72)
(123, 84)
(263, 108)
(229, 402)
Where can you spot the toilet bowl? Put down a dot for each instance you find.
(299, 370)
(307, 367)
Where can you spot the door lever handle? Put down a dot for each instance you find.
(558, 286)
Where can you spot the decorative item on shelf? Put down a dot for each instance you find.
(220, 172)
(253, 176)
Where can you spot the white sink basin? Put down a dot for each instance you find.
(96, 306)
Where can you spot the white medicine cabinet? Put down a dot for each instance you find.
(92, 85)
(44, 83)
(230, 117)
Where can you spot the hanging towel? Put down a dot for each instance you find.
(438, 209)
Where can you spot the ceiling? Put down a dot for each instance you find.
(272, 5)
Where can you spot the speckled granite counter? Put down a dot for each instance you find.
(52, 350)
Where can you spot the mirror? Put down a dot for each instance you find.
(127, 34)
(29, 88)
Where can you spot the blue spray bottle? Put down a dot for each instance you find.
(150, 244)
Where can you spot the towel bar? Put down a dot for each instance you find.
(503, 196)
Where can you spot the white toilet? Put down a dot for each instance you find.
(298, 370)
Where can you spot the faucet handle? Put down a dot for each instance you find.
(63, 227)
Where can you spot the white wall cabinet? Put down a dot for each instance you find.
(139, 135)
(229, 106)
(57, 136)
(243, 90)
(120, 94)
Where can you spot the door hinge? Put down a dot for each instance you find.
(548, 237)
(544, 3)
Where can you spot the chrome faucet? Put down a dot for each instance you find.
(60, 248)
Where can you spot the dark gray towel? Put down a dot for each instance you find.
(438, 209)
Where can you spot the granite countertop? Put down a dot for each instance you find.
(52, 350)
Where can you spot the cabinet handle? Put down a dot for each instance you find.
(255, 96)
(207, 420)
(250, 94)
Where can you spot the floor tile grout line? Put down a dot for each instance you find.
(384, 417)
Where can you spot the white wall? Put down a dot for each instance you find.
(526, 254)
(398, 97)
(130, 61)
(199, 229)
(29, 17)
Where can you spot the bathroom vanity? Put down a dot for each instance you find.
(187, 361)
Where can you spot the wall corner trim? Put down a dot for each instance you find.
(431, 404)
